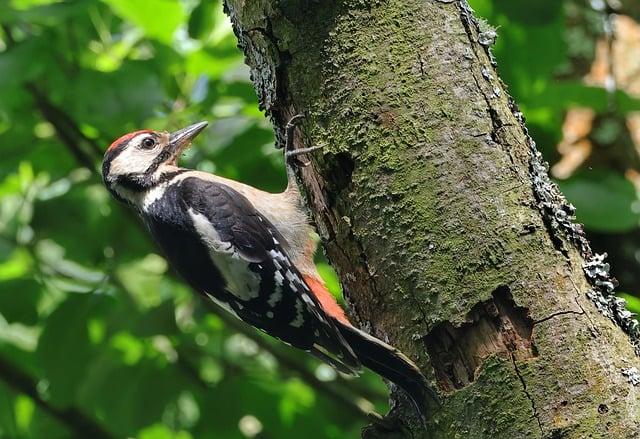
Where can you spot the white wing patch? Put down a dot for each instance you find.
(275, 297)
(281, 263)
(240, 280)
(278, 278)
(299, 320)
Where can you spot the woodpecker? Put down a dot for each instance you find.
(249, 251)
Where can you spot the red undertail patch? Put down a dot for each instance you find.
(327, 301)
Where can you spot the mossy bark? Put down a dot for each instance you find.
(425, 201)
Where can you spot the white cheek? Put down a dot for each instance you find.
(132, 160)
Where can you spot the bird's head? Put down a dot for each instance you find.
(136, 161)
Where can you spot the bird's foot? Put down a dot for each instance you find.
(288, 129)
(296, 152)
(291, 154)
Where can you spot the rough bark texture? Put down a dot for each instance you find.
(434, 209)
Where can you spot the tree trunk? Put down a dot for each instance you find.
(434, 207)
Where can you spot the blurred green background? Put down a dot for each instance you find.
(98, 338)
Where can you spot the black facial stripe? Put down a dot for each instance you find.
(166, 176)
(109, 156)
(112, 154)
(160, 159)
(134, 181)
(106, 167)
(139, 182)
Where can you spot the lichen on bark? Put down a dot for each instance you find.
(425, 200)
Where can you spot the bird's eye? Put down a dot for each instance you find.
(148, 143)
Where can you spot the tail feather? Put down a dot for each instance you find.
(387, 361)
(374, 354)
(353, 367)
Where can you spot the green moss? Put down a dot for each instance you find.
(494, 406)
(440, 207)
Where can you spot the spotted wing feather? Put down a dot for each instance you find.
(281, 303)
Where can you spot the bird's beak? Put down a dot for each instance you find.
(179, 140)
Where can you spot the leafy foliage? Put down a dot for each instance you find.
(90, 311)
(544, 52)
(95, 330)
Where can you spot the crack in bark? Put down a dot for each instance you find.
(468, 23)
(558, 215)
(556, 314)
(527, 394)
(592, 326)
(355, 256)
(497, 125)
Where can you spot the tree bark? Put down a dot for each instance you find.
(433, 205)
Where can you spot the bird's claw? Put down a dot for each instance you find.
(288, 131)
(297, 152)
(290, 153)
(294, 121)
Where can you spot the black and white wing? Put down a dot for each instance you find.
(262, 286)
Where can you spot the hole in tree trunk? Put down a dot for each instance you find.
(497, 326)
(338, 176)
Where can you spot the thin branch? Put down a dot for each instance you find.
(285, 360)
(288, 362)
(66, 129)
(69, 133)
(71, 417)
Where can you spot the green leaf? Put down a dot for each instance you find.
(563, 94)
(46, 12)
(143, 279)
(130, 347)
(159, 431)
(114, 102)
(17, 65)
(19, 299)
(604, 200)
(156, 321)
(202, 19)
(536, 13)
(136, 396)
(298, 397)
(8, 427)
(17, 265)
(64, 348)
(24, 410)
(328, 274)
(26, 4)
(530, 47)
(159, 19)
